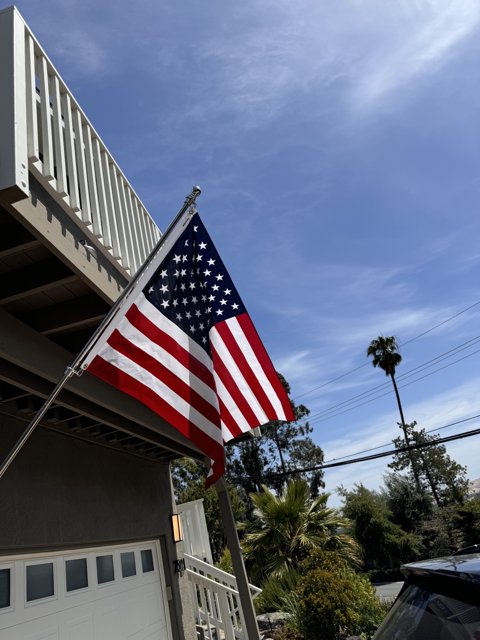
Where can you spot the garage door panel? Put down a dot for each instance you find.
(92, 600)
(79, 629)
(46, 634)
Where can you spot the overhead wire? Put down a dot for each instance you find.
(376, 456)
(420, 335)
(387, 444)
(332, 412)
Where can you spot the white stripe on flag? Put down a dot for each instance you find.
(143, 342)
(163, 391)
(243, 386)
(255, 365)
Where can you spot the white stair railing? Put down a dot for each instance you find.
(44, 131)
(216, 600)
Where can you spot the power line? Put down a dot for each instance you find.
(445, 426)
(376, 456)
(329, 414)
(402, 376)
(420, 335)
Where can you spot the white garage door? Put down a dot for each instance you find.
(114, 593)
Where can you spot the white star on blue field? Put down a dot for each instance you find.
(337, 145)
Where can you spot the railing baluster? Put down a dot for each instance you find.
(32, 121)
(45, 121)
(92, 183)
(126, 246)
(81, 168)
(102, 195)
(61, 172)
(112, 190)
(73, 197)
(134, 226)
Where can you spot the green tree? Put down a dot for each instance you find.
(446, 479)
(385, 545)
(281, 447)
(384, 353)
(286, 528)
(407, 506)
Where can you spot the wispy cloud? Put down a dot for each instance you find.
(427, 36)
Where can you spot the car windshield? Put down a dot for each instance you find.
(423, 614)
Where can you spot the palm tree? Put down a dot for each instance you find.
(286, 528)
(384, 352)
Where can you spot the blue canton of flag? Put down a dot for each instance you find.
(193, 288)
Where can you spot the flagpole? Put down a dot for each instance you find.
(73, 368)
(228, 522)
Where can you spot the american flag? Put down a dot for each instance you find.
(186, 348)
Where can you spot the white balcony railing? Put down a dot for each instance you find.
(45, 132)
(216, 600)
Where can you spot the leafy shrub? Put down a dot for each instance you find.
(333, 602)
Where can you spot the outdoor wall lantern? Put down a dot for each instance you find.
(177, 530)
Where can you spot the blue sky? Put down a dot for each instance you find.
(337, 145)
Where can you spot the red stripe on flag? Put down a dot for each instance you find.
(246, 370)
(267, 366)
(124, 382)
(232, 387)
(162, 339)
(228, 420)
(121, 344)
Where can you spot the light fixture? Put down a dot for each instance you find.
(177, 530)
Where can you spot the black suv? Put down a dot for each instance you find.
(440, 600)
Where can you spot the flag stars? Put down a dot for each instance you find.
(177, 259)
(219, 312)
(202, 245)
(151, 290)
(198, 313)
(192, 285)
(211, 297)
(235, 306)
(207, 273)
(175, 303)
(188, 315)
(165, 304)
(183, 286)
(194, 299)
(164, 288)
(179, 316)
(192, 328)
(211, 262)
(227, 292)
(219, 277)
(184, 258)
(164, 273)
(223, 302)
(215, 287)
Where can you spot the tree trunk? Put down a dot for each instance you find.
(405, 434)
